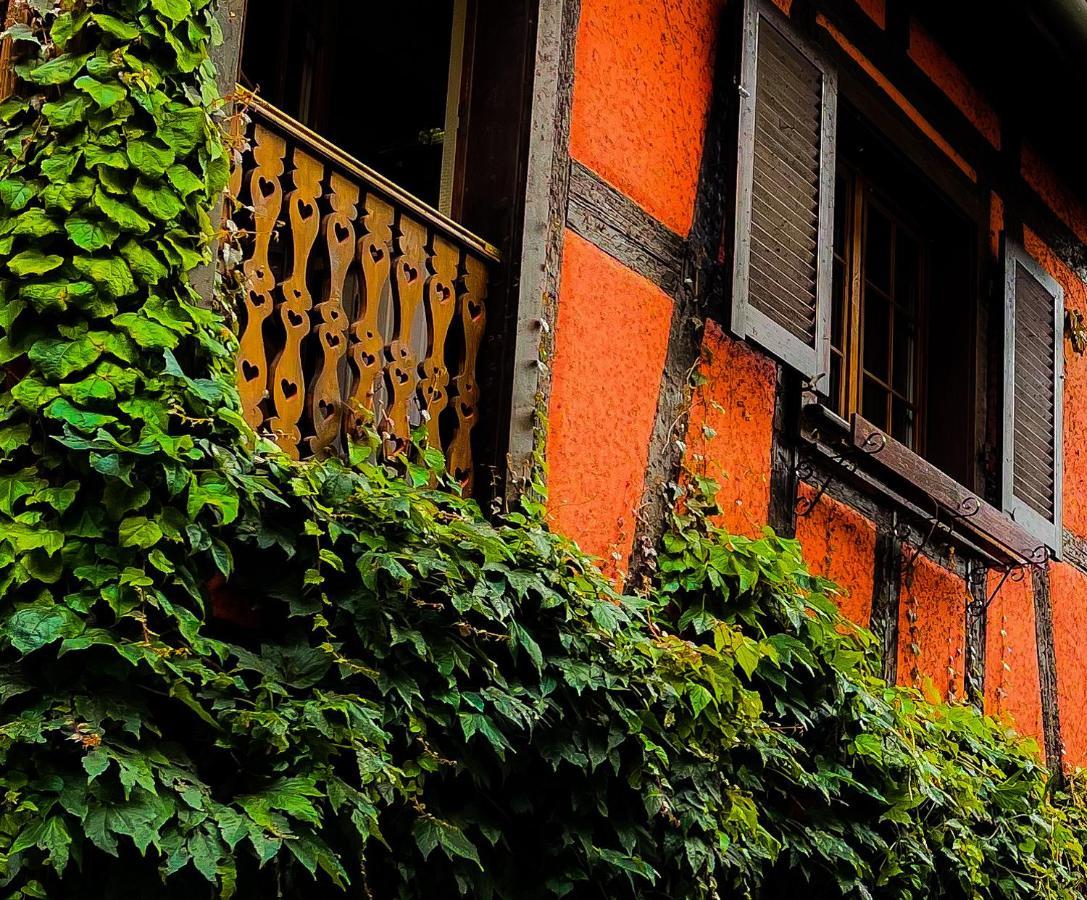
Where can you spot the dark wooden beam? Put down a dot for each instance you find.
(977, 617)
(622, 229)
(1047, 671)
(885, 598)
(783, 456)
(546, 201)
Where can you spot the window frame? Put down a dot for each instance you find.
(864, 192)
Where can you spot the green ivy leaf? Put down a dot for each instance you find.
(139, 532)
(80, 419)
(34, 262)
(174, 10)
(15, 193)
(56, 294)
(115, 27)
(67, 113)
(59, 70)
(110, 273)
(158, 200)
(34, 627)
(58, 358)
(146, 332)
(90, 234)
(184, 180)
(35, 223)
(121, 213)
(144, 263)
(150, 160)
(104, 94)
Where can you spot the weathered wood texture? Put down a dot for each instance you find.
(885, 598)
(958, 506)
(1047, 670)
(546, 200)
(623, 230)
(17, 12)
(359, 300)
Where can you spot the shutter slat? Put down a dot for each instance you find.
(782, 264)
(1033, 413)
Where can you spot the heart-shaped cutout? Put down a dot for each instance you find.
(250, 372)
(343, 233)
(295, 318)
(376, 253)
(289, 388)
(267, 188)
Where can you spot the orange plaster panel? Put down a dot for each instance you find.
(611, 338)
(1012, 686)
(1068, 590)
(932, 628)
(1048, 185)
(949, 78)
(642, 87)
(840, 544)
(876, 10)
(731, 427)
(1075, 389)
(996, 223)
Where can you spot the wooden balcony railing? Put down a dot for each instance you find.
(359, 299)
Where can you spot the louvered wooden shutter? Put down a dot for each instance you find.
(1033, 396)
(783, 254)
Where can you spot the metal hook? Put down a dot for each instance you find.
(806, 472)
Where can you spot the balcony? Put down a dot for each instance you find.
(359, 303)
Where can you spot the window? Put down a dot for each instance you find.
(904, 347)
(854, 268)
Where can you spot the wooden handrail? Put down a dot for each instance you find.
(373, 179)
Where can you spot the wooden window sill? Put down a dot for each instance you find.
(887, 467)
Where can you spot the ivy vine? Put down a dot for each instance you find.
(226, 674)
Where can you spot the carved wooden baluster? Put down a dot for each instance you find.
(440, 296)
(326, 398)
(408, 282)
(375, 253)
(266, 197)
(473, 316)
(288, 381)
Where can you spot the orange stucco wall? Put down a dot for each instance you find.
(1068, 587)
(876, 10)
(730, 430)
(1075, 388)
(610, 343)
(840, 544)
(1049, 187)
(642, 92)
(1012, 686)
(932, 628)
(642, 88)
